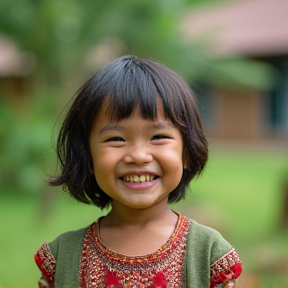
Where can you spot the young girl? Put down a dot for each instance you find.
(132, 141)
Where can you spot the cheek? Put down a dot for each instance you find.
(103, 170)
(102, 163)
(173, 170)
(172, 161)
(105, 162)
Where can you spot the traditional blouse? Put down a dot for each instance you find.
(101, 267)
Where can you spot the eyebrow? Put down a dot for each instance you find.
(156, 125)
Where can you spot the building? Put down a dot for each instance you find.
(256, 29)
(15, 67)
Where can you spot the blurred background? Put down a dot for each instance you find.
(235, 56)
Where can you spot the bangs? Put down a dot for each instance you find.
(129, 82)
(120, 87)
(131, 87)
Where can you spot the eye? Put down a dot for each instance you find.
(115, 139)
(159, 137)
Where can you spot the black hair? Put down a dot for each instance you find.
(125, 83)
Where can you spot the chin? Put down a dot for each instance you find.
(144, 205)
(140, 206)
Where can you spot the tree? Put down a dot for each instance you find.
(66, 37)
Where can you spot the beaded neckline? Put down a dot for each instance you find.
(155, 256)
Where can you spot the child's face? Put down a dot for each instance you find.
(137, 162)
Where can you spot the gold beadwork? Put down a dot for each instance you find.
(100, 266)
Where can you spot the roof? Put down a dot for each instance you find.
(246, 27)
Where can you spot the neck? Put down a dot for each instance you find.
(120, 216)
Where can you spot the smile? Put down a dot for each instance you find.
(139, 178)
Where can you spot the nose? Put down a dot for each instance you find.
(138, 155)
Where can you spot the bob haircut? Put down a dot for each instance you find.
(126, 83)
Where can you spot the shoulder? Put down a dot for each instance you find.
(67, 241)
(203, 231)
(211, 255)
(203, 238)
(59, 259)
(48, 252)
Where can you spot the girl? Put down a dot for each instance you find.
(133, 141)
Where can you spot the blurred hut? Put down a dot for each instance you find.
(15, 67)
(256, 29)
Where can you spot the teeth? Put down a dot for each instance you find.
(135, 178)
(138, 179)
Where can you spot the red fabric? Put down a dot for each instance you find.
(228, 275)
(47, 265)
(112, 279)
(39, 261)
(117, 271)
(159, 281)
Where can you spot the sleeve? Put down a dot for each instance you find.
(225, 270)
(210, 261)
(47, 265)
(66, 250)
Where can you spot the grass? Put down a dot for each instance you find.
(239, 194)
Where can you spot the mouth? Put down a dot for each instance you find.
(138, 178)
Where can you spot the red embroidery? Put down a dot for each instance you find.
(46, 262)
(112, 279)
(225, 269)
(101, 267)
(160, 281)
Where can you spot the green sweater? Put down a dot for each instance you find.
(205, 245)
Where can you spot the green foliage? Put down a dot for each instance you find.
(240, 72)
(25, 149)
(62, 34)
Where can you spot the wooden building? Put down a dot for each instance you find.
(258, 30)
(15, 67)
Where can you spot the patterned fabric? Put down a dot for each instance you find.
(47, 265)
(225, 269)
(101, 267)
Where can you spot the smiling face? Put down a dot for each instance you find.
(137, 162)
